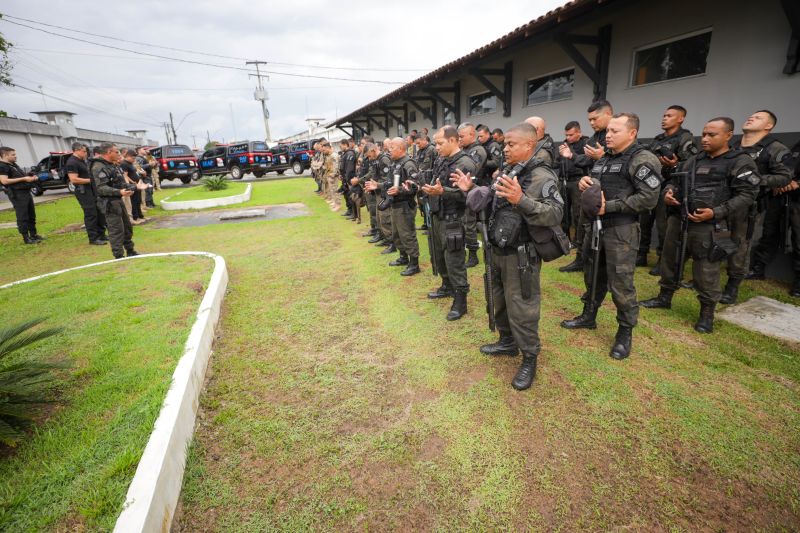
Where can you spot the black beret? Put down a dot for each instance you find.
(591, 199)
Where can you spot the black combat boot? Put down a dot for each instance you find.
(622, 343)
(656, 270)
(575, 266)
(662, 301)
(412, 268)
(459, 307)
(731, 291)
(526, 372)
(370, 233)
(472, 259)
(375, 238)
(795, 290)
(400, 261)
(35, 235)
(641, 259)
(505, 346)
(445, 291)
(348, 213)
(389, 249)
(28, 239)
(585, 320)
(705, 324)
(132, 253)
(757, 272)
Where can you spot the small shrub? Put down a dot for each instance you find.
(24, 383)
(215, 183)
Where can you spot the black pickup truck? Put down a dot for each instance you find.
(50, 172)
(176, 161)
(238, 158)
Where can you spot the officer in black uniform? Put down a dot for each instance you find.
(522, 206)
(425, 156)
(630, 180)
(721, 181)
(78, 174)
(599, 114)
(17, 186)
(347, 171)
(546, 149)
(365, 163)
(672, 148)
(774, 166)
(111, 188)
(403, 207)
(468, 140)
(494, 152)
(574, 140)
(793, 192)
(447, 205)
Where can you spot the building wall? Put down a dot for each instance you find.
(743, 74)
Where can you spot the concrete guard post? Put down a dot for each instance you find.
(168, 205)
(153, 494)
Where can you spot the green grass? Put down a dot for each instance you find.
(201, 193)
(75, 467)
(340, 398)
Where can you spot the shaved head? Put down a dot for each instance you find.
(539, 124)
(525, 130)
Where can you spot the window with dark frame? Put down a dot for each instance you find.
(481, 104)
(412, 116)
(550, 88)
(680, 58)
(448, 117)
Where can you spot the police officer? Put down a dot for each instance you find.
(146, 168)
(365, 163)
(494, 152)
(328, 173)
(793, 192)
(773, 161)
(528, 201)
(721, 181)
(380, 176)
(545, 147)
(347, 171)
(316, 165)
(17, 186)
(599, 114)
(571, 174)
(403, 206)
(672, 148)
(426, 155)
(78, 174)
(447, 205)
(467, 139)
(630, 180)
(111, 188)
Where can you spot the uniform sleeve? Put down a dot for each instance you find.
(71, 168)
(686, 147)
(349, 166)
(102, 180)
(411, 174)
(744, 187)
(451, 192)
(478, 155)
(542, 205)
(645, 172)
(779, 173)
(492, 160)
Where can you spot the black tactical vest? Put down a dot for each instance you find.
(711, 177)
(13, 171)
(507, 228)
(446, 166)
(616, 181)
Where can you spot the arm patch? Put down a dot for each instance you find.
(647, 175)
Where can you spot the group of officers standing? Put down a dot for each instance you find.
(526, 193)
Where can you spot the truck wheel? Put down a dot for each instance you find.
(236, 172)
(186, 180)
(196, 175)
(37, 190)
(259, 174)
(297, 168)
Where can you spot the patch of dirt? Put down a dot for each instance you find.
(69, 228)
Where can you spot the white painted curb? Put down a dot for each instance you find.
(210, 202)
(156, 486)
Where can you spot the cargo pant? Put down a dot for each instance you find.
(576, 213)
(384, 221)
(330, 192)
(699, 239)
(512, 313)
(120, 230)
(450, 263)
(24, 211)
(657, 217)
(618, 248)
(471, 229)
(372, 207)
(739, 263)
(404, 233)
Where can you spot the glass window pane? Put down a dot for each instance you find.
(482, 103)
(551, 88)
(669, 61)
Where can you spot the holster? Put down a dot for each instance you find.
(722, 244)
(454, 235)
(525, 271)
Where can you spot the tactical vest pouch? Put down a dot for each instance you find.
(454, 235)
(505, 228)
(550, 242)
(722, 244)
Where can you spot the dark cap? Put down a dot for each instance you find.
(591, 199)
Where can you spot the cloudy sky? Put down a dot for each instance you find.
(115, 87)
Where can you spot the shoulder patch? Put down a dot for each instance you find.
(645, 174)
(751, 177)
(550, 190)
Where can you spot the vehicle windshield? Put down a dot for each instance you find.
(260, 147)
(177, 151)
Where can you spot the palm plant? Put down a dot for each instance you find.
(24, 383)
(216, 182)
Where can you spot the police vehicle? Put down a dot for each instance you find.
(238, 158)
(176, 161)
(51, 174)
(300, 154)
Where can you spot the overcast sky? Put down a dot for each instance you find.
(380, 41)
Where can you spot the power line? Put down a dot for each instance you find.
(378, 69)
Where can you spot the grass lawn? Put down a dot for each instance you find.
(200, 192)
(74, 469)
(338, 397)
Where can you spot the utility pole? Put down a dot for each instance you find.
(194, 142)
(208, 136)
(261, 95)
(172, 125)
(166, 131)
